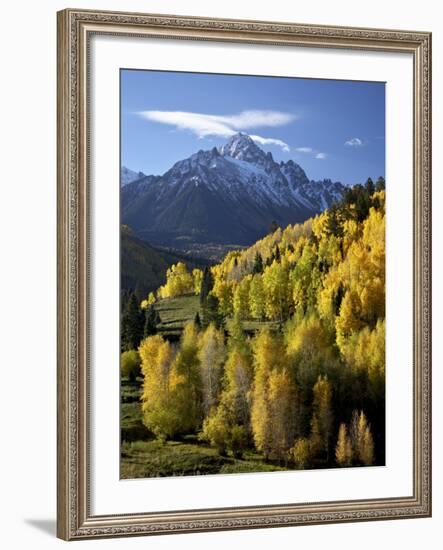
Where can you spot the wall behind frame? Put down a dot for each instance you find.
(28, 274)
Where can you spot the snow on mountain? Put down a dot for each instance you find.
(128, 176)
(227, 195)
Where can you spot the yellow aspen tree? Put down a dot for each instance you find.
(224, 292)
(266, 352)
(211, 355)
(178, 282)
(228, 425)
(349, 320)
(277, 296)
(366, 352)
(216, 430)
(330, 296)
(149, 301)
(323, 410)
(304, 279)
(186, 381)
(273, 414)
(156, 357)
(241, 298)
(257, 298)
(238, 377)
(300, 453)
(367, 451)
(343, 450)
(310, 351)
(197, 278)
(283, 412)
(307, 339)
(364, 441)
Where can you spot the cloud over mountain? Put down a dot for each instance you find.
(204, 125)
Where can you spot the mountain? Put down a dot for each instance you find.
(143, 268)
(218, 199)
(128, 176)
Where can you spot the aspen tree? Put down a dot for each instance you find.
(186, 381)
(343, 450)
(211, 354)
(323, 411)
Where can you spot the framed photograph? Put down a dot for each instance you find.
(244, 299)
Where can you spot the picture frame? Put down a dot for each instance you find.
(75, 517)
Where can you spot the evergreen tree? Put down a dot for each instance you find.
(334, 224)
(273, 227)
(369, 186)
(197, 320)
(132, 324)
(152, 319)
(315, 439)
(210, 313)
(258, 264)
(206, 284)
(380, 184)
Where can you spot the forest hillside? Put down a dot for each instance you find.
(279, 352)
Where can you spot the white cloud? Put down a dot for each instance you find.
(321, 156)
(304, 149)
(203, 125)
(271, 141)
(252, 119)
(354, 142)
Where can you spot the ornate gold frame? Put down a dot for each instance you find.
(75, 27)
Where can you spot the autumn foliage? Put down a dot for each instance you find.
(307, 387)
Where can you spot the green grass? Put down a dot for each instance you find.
(176, 312)
(158, 459)
(131, 425)
(130, 391)
(181, 458)
(144, 456)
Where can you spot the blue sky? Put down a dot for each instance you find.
(333, 129)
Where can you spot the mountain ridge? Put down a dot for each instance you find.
(223, 197)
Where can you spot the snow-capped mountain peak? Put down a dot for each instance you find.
(242, 147)
(226, 195)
